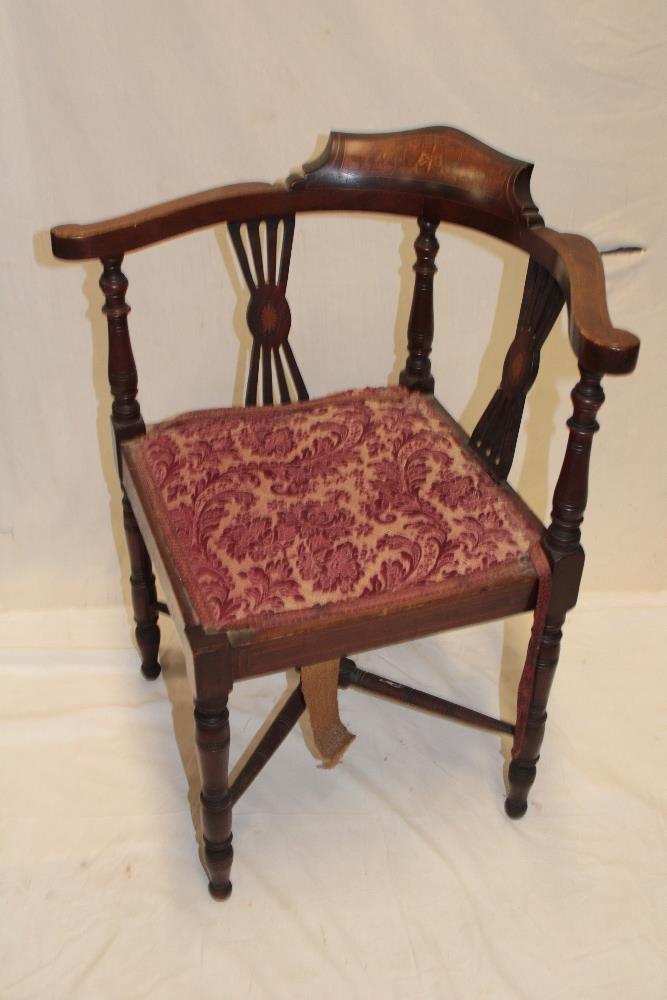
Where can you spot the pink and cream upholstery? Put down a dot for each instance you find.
(363, 499)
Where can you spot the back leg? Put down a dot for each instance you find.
(127, 423)
(144, 595)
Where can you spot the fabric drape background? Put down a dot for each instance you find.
(397, 875)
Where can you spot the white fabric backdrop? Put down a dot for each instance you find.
(109, 107)
(396, 876)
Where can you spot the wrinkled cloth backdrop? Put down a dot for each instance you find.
(397, 875)
(108, 108)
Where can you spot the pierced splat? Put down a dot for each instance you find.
(268, 316)
(495, 436)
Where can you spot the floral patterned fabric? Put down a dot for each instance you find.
(357, 500)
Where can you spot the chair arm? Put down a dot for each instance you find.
(114, 237)
(599, 346)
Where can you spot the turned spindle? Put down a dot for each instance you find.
(212, 741)
(417, 371)
(127, 422)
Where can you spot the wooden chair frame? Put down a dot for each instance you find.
(433, 174)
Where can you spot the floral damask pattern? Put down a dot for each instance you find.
(349, 500)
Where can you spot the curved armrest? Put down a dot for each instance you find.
(390, 171)
(578, 269)
(114, 237)
(573, 260)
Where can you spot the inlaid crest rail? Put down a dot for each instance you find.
(437, 158)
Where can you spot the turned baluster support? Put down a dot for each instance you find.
(571, 493)
(212, 741)
(209, 669)
(127, 422)
(562, 545)
(523, 769)
(417, 372)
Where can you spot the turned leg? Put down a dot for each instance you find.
(127, 423)
(212, 739)
(144, 596)
(523, 768)
(562, 544)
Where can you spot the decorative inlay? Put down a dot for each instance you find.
(496, 433)
(436, 159)
(268, 315)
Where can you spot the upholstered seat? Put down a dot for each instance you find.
(362, 500)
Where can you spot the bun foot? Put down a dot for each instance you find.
(151, 670)
(520, 779)
(219, 892)
(515, 810)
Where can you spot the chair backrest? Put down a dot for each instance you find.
(438, 162)
(433, 174)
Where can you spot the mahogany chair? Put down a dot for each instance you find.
(294, 535)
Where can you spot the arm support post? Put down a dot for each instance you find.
(127, 422)
(417, 371)
(562, 540)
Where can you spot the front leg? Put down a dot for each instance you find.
(212, 740)
(562, 543)
(523, 768)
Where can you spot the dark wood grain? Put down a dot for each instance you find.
(523, 769)
(417, 371)
(573, 261)
(144, 594)
(127, 422)
(119, 235)
(571, 493)
(126, 418)
(578, 269)
(495, 436)
(277, 732)
(436, 159)
(212, 741)
(351, 675)
(562, 543)
(329, 638)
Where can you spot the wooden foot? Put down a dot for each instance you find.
(520, 778)
(220, 892)
(144, 596)
(212, 740)
(523, 769)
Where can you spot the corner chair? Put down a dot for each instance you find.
(296, 535)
